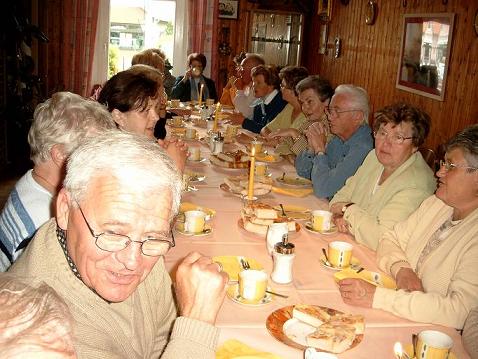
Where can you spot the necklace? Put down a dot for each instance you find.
(52, 187)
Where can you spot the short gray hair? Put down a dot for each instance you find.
(33, 320)
(65, 119)
(357, 97)
(467, 141)
(133, 160)
(255, 59)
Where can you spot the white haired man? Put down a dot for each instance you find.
(34, 322)
(103, 254)
(329, 165)
(59, 124)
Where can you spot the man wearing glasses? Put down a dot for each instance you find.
(329, 166)
(104, 252)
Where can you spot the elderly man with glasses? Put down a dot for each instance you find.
(329, 165)
(104, 255)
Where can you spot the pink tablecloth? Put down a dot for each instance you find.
(313, 284)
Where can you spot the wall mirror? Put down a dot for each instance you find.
(277, 36)
(425, 54)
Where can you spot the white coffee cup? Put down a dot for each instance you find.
(194, 221)
(194, 153)
(252, 285)
(321, 220)
(191, 133)
(433, 344)
(339, 254)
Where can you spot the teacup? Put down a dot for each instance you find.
(175, 103)
(321, 220)
(177, 120)
(194, 153)
(209, 101)
(261, 168)
(432, 344)
(252, 285)
(191, 133)
(340, 254)
(194, 221)
(257, 145)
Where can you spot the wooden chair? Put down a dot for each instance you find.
(429, 156)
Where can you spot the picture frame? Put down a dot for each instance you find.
(324, 10)
(425, 54)
(228, 9)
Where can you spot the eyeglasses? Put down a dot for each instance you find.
(151, 247)
(393, 138)
(451, 166)
(333, 111)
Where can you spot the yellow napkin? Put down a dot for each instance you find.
(377, 279)
(232, 266)
(188, 206)
(234, 349)
(294, 192)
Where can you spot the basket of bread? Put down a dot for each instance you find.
(239, 185)
(323, 328)
(236, 159)
(256, 218)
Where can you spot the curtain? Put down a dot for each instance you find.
(65, 62)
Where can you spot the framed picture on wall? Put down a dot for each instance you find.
(425, 54)
(228, 9)
(325, 10)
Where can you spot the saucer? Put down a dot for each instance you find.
(332, 230)
(354, 264)
(207, 230)
(233, 293)
(201, 160)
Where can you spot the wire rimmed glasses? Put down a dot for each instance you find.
(394, 138)
(334, 111)
(111, 242)
(451, 166)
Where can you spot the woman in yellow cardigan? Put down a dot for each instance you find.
(433, 255)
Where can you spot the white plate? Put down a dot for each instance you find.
(203, 159)
(308, 227)
(294, 181)
(233, 293)
(225, 187)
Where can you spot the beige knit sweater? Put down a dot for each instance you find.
(448, 273)
(143, 326)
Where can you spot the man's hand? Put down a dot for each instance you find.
(357, 292)
(177, 150)
(316, 137)
(336, 208)
(408, 280)
(200, 288)
(284, 132)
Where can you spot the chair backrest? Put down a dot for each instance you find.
(429, 157)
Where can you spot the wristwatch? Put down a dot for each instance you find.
(344, 208)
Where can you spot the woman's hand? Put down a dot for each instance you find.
(177, 150)
(357, 292)
(316, 137)
(336, 208)
(408, 280)
(341, 224)
(284, 132)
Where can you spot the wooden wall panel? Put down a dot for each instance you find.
(370, 59)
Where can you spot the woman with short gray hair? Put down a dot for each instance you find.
(433, 255)
(59, 125)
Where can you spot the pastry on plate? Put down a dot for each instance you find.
(332, 338)
(311, 315)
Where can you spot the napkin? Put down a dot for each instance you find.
(377, 279)
(232, 266)
(234, 349)
(294, 192)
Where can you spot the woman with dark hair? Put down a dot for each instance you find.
(269, 102)
(187, 87)
(134, 98)
(433, 254)
(393, 180)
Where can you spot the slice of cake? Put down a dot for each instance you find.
(356, 321)
(311, 315)
(332, 338)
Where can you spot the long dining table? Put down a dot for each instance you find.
(312, 284)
